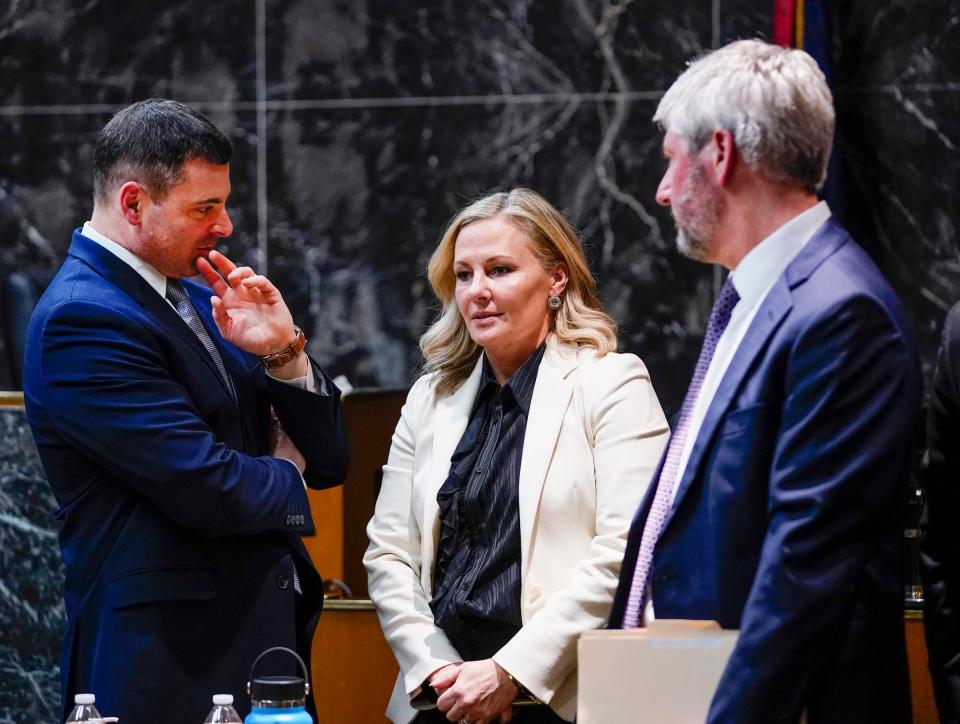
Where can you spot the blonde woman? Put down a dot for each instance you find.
(520, 456)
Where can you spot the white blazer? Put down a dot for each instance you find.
(594, 436)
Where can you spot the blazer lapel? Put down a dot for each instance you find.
(548, 406)
(120, 274)
(450, 422)
(773, 309)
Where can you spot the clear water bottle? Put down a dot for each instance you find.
(223, 711)
(84, 710)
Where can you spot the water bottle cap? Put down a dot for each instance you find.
(277, 689)
(84, 699)
(223, 699)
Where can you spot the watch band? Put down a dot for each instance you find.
(287, 354)
(523, 693)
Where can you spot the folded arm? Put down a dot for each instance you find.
(107, 390)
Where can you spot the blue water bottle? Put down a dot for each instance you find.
(278, 699)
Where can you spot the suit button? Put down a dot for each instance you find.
(283, 581)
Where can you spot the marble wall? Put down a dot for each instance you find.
(361, 126)
(31, 608)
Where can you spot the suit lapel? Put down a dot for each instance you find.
(450, 422)
(548, 406)
(120, 274)
(773, 309)
(771, 312)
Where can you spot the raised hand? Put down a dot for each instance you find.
(247, 308)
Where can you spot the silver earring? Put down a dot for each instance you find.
(553, 301)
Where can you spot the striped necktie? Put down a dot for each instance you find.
(663, 497)
(181, 302)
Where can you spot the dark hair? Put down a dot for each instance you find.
(149, 142)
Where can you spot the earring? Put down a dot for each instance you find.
(553, 301)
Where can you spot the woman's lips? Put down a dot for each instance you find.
(484, 319)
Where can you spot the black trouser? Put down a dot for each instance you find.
(478, 639)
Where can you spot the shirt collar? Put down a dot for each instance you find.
(150, 273)
(770, 258)
(520, 384)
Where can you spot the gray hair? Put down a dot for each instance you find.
(775, 101)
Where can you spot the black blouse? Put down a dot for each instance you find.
(477, 573)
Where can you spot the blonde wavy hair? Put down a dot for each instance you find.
(447, 347)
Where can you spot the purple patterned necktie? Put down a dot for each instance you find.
(663, 497)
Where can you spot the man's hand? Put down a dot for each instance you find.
(479, 692)
(281, 446)
(250, 312)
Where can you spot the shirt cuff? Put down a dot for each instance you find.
(308, 382)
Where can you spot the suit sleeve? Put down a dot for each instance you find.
(836, 477)
(628, 431)
(316, 425)
(107, 390)
(393, 558)
(940, 543)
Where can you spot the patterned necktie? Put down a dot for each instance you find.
(663, 497)
(181, 302)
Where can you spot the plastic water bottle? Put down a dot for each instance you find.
(84, 710)
(278, 699)
(223, 711)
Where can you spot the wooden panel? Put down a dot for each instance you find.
(921, 688)
(371, 420)
(341, 514)
(326, 547)
(353, 668)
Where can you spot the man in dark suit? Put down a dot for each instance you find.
(775, 509)
(151, 401)
(939, 543)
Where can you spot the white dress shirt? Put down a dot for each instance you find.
(753, 279)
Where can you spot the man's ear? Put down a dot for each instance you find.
(133, 197)
(720, 155)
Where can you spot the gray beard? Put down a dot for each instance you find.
(691, 246)
(702, 208)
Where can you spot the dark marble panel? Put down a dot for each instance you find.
(31, 604)
(899, 42)
(46, 184)
(385, 48)
(358, 200)
(109, 51)
(745, 19)
(901, 172)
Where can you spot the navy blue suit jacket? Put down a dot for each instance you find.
(179, 532)
(786, 522)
